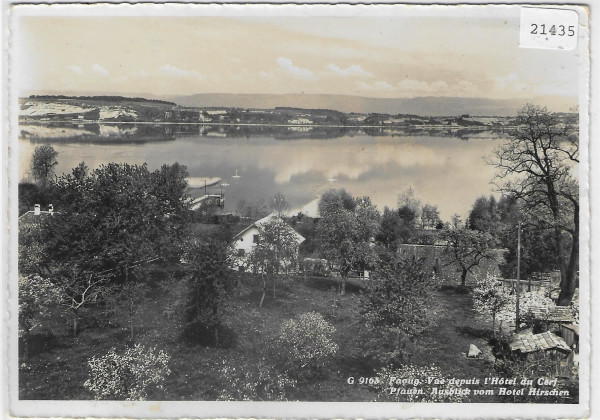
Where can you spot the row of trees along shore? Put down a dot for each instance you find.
(116, 222)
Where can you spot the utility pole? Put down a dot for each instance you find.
(518, 287)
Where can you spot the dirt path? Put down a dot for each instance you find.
(447, 344)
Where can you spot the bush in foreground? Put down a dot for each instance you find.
(127, 375)
(490, 297)
(254, 381)
(36, 296)
(304, 344)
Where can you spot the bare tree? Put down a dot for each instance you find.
(467, 248)
(280, 205)
(538, 165)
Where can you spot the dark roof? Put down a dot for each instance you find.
(529, 343)
(31, 217)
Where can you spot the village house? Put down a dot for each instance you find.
(245, 241)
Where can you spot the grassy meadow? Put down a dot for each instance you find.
(56, 366)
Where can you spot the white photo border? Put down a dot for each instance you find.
(210, 409)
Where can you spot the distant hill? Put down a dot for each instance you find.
(431, 106)
(103, 98)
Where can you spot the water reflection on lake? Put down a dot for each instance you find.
(444, 170)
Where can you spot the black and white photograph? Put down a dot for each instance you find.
(214, 204)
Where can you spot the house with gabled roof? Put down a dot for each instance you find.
(245, 241)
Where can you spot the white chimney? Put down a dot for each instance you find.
(50, 209)
(36, 209)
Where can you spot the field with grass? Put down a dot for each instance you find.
(57, 364)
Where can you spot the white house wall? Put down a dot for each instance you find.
(246, 240)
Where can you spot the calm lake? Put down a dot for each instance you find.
(447, 171)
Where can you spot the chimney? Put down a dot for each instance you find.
(50, 209)
(36, 209)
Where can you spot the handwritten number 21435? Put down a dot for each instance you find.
(559, 30)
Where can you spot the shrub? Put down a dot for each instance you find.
(399, 297)
(387, 346)
(129, 374)
(417, 384)
(304, 344)
(529, 302)
(254, 381)
(36, 295)
(490, 297)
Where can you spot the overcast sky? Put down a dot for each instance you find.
(407, 52)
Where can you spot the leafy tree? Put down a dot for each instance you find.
(29, 195)
(346, 231)
(276, 251)
(399, 295)
(113, 224)
(500, 219)
(490, 296)
(409, 216)
(397, 227)
(538, 248)
(210, 283)
(367, 218)
(409, 201)
(538, 165)
(306, 226)
(455, 222)
(389, 233)
(484, 215)
(127, 375)
(430, 216)
(467, 248)
(43, 162)
(32, 260)
(334, 200)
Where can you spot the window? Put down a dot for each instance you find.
(256, 239)
(241, 252)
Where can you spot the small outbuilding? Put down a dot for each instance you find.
(547, 345)
(570, 333)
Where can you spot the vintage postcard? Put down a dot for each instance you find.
(350, 211)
